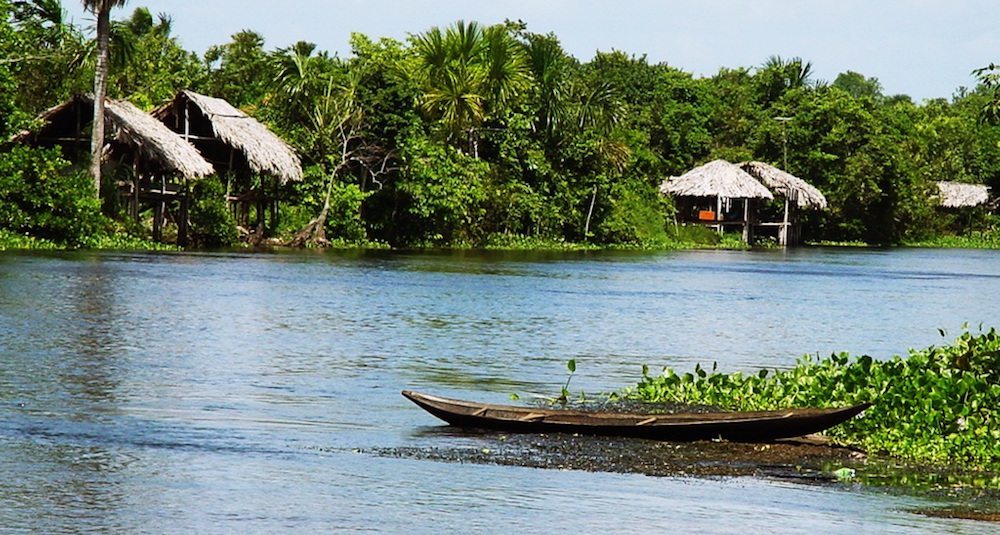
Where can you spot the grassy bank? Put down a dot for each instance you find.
(975, 240)
(938, 405)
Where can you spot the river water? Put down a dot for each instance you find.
(235, 393)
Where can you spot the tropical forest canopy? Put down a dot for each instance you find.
(467, 134)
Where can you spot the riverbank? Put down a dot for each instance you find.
(686, 240)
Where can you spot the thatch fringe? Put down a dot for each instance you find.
(959, 194)
(265, 152)
(133, 127)
(717, 178)
(787, 185)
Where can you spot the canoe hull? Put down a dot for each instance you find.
(762, 426)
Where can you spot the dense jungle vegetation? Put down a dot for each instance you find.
(474, 135)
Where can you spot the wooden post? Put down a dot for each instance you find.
(136, 184)
(783, 233)
(718, 214)
(746, 220)
(187, 124)
(159, 207)
(182, 220)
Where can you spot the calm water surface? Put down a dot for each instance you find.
(236, 393)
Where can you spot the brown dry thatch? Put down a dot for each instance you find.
(132, 127)
(787, 185)
(263, 152)
(959, 194)
(717, 178)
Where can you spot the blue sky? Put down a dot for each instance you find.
(923, 48)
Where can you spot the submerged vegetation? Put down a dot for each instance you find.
(936, 405)
(494, 136)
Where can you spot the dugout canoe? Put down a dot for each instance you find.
(763, 426)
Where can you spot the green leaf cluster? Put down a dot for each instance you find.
(41, 195)
(936, 405)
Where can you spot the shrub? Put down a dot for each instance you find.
(42, 196)
(211, 223)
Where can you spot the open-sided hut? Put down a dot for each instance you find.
(796, 194)
(238, 146)
(156, 163)
(706, 193)
(964, 201)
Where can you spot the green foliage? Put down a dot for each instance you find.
(977, 240)
(151, 66)
(212, 225)
(934, 405)
(443, 192)
(635, 214)
(238, 71)
(42, 196)
(471, 134)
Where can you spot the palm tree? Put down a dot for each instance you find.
(506, 67)
(101, 9)
(548, 65)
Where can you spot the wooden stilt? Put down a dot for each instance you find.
(182, 218)
(136, 185)
(746, 220)
(718, 214)
(783, 232)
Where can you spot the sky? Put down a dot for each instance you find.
(922, 48)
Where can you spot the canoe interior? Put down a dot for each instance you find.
(734, 426)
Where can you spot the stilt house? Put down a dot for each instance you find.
(151, 164)
(249, 158)
(717, 195)
(796, 195)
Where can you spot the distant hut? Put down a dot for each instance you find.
(964, 200)
(238, 146)
(706, 193)
(158, 162)
(961, 195)
(797, 194)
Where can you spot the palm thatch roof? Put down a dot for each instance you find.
(958, 194)
(717, 178)
(131, 127)
(212, 118)
(787, 185)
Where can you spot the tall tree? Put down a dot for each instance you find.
(102, 10)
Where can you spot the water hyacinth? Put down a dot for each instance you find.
(937, 404)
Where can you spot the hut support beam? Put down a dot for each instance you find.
(783, 232)
(746, 220)
(718, 214)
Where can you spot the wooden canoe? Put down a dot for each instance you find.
(761, 426)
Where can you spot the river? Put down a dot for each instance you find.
(241, 393)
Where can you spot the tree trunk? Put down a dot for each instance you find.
(314, 233)
(103, 12)
(590, 212)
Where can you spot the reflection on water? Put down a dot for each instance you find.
(229, 392)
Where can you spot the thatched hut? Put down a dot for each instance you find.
(962, 195)
(155, 162)
(706, 193)
(796, 194)
(965, 202)
(238, 146)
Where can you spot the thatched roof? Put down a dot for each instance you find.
(263, 152)
(785, 184)
(717, 178)
(958, 194)
(131, 127)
